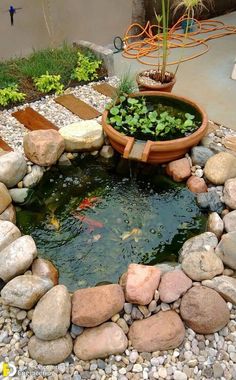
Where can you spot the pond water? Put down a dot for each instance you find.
(92, 219)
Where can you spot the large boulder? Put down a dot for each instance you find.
(9, 214)
(51, 317)
(215, 224)
(141, 281)
(220, 167)
(179, 170)
(93, 306)
(173, 285)
(100, 342)
(50, 352)
(24, 291)
(82, 136)
(5, 198)
(44, 268)
(34, 177)
(224, 285)
(162, 331)
(43, 147)
(204, 310)
(13, 167)
(230, 221)
(17, 257)
(8, 233)
(202, 265)
(226, 249)
(202, 242)
(229, 193)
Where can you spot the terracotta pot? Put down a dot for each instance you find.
(156, 152)
(163, 87)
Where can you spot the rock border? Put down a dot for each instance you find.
(149, 301)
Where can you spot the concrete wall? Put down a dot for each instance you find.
(98, 21)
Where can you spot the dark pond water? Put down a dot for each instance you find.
(93, 219)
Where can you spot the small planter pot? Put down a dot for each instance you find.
(146, 81)
(157, 152)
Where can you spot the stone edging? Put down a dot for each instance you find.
(149, 301)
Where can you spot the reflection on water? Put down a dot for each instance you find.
(92, 222)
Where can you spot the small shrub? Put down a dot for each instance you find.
(47, 83)
(10, 94)
(87, 66)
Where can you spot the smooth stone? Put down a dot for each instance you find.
(93, 306)
(226, 249)
(13, 167)
(51, 318)
(168, 266)
(64, 160)
(107, 151)
(44, 268)
(215, 224)
(141, 283)
(230, 221)
(162, 331)
(86, 135)
(43, 147)
(9, 214)
(230, 142)
(8, 233)
(76, 330)
(220, 167)
(24, 291)
(202, 242)
(204, 310)
(210, 201)
(5, 198)
(17, 257)
(202, 265)
(200, 155)
(229, 193)
(179, 170)
(100, 342)
(173, 285)
(50, 352)
(19, 195)
(196, 184)
(34, 177)
(225, 286)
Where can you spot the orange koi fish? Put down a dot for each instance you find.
(91, 223)
(87, 203)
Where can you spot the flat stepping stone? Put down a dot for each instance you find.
(4, 146)
(105, 89)
(32, 120)
(78, 107)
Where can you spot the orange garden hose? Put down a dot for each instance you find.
(148, 44)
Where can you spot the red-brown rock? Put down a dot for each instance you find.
(204, 310)
(43, 147)
(93, 306)
(100, 342)
(179, 170)
(173, 285)
(44, 268)
(141, 283)
(162, 331)
(196, 184)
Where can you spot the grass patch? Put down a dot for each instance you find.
(22, 71)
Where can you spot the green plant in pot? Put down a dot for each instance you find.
(153, 127)
(160, 79)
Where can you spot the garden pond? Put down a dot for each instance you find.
(95, 217)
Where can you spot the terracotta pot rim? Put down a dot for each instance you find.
(157, 86)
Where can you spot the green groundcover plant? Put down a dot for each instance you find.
(47, 83)
(10, 94)
(142, 120)
(87, 66)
